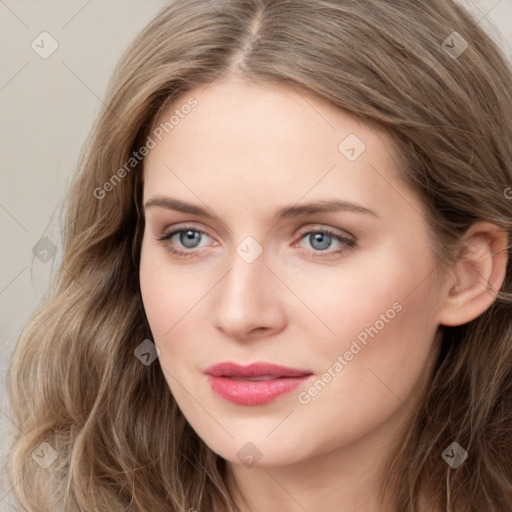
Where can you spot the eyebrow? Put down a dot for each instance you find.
(311, 208)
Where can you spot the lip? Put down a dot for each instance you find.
(222, 381)
(229, 369)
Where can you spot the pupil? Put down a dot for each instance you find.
(189, 237)
(319, 237)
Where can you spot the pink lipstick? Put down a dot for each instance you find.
(255, 384)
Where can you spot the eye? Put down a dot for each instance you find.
(321, 240)
(186, 237)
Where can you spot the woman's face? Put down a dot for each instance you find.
(261, 276)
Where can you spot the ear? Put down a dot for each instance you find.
(477, 276)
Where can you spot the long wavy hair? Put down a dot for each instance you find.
(74, 382)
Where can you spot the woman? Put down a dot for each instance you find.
(285, 281)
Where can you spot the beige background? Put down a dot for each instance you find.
(47, 108)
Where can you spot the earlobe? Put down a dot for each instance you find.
(477, 276)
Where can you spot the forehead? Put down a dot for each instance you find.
(245, 140)
(263, 116)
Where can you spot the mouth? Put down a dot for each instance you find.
(255, 384)
(255, 371)
(255, 379)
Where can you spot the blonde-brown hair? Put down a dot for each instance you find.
(74, 382)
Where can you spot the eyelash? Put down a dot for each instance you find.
(350, 243)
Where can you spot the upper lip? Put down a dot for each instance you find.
(229, 369)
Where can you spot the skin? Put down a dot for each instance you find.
(244, 152)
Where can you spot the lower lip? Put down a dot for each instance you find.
(254, 392)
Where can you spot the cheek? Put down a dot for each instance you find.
(159, 301)
(169, 305)
(152, 292)
(385, 336)
(380, 316)
(168, 291)
(340, 303)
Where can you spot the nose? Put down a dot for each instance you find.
(249, 303)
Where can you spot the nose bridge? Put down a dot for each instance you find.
(244, 282)
(247, 301)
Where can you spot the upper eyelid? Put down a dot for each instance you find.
(314, 227)
(174, 230)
